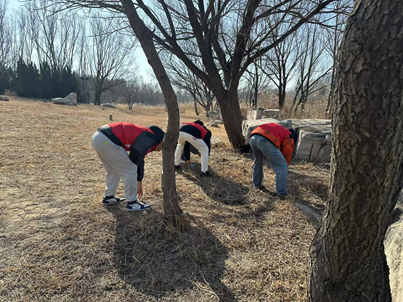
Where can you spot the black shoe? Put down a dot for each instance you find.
(262, 188)
(178, 167)
(282, 196)
(206, 174)
(111, 201)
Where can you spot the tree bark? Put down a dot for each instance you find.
(347, 254)
(144, 35)
(97, 99)
(231, 116)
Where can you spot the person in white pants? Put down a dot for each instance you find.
(199, 137)
(112, 142)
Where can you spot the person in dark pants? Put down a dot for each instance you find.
(112, 142)
(200, 138)
(192, 150)
(276, 143)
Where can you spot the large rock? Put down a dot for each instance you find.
(249, 125)
(214, 123)
(108, 105)
(271, 113)
(300, 124)
(214, 113)
(314, 144)
(314, 139)
(394, 254)
(70, 100)
(254, 114)
(4, 98)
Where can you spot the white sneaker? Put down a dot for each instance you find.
(111, 201)
(137, 206)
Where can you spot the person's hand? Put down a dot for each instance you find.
(188, 162)
(198, 154)
(139, 189)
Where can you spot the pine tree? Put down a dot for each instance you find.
(46, 80)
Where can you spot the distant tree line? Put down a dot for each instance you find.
(44, 82)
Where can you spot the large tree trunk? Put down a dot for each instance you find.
(232, 117)
(281, 95)
(144, 35)
(347, 254)
(98, 92)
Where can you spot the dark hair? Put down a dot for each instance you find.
(158, 133)
(199, 122)
(293, 135)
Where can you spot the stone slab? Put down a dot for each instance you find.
(70, 100)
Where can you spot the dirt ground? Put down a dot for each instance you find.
(57, 242)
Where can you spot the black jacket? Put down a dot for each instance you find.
(197, 134)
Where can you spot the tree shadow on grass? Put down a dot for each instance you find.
(155, 258)
(218, 188)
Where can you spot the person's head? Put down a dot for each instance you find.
(293, 135)
(199, 122)
(159, 136)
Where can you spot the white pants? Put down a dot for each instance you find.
(117, 165)
(198, 143)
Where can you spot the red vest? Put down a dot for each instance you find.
(279, 136)
(201, 128)
(127, 132)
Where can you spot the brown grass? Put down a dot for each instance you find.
(57, 243)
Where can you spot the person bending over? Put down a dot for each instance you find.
(276, 143)
(112, 142)
(197, 135)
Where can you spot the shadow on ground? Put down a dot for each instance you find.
(217, 188)
(155, 258)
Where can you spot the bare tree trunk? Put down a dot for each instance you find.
(232, 117)
(144, 35)
(281, 96)
(195, 103)
(347, 254)
(98, 92)
(208, 106)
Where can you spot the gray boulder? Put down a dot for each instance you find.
(214, 123)
(314, 139)
(300, 124)
(108, 105)
(393, 244)
(4, 98)
(314, 144)
(254, 114)
(70, 100)
(214, 113)
(271, 113)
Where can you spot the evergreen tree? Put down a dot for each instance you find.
(22, 72)
(69, 82)
(28, 80)
(46, 80)
(33, 82)
(4, 79)
(56, 84)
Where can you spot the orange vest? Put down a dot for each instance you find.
(279, 136)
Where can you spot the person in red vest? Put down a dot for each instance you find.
(112, 142)
(199, 137)
(276, 143)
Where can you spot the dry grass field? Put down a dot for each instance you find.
(57, 242)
